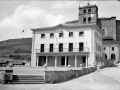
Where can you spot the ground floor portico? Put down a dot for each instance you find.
(57, 60)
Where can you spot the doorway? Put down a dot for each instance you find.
(42, 60)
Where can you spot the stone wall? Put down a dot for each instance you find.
(6, 74)
(110, 27)
(60, 76)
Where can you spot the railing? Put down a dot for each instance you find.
(51, 50)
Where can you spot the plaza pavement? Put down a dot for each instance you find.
(105, 79)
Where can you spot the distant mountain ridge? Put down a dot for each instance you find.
(11, 45)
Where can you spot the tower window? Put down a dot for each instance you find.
(112, 48)
(84, 20)
(84, 11)
(104, 31)
(89, 10)
(89, 19)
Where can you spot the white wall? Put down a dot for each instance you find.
(86, 39)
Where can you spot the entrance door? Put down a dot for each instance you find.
(84, 61)
(63, 60)
(42, 60)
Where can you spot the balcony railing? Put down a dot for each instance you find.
(51, 50)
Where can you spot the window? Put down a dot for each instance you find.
(70, 34)
(104, 31)
(113, 57)
(97, 35)
(70, 47)
(89, 19)
(42, 47)
(112, 48)
(51, 35)
(84, 59)
(96, 58)
(51, 48)
(81, 33)
(104, 48)
(61, 34)
(42, 35)
(84, 20)
(96, 47)
(89, 10)
(84, 11)
(60, 47)
(81, 46)
(106, 56)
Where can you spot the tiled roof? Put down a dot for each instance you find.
(74, 21)
(106, 18)
(88, 6)
(111, 42)
(108, 37)
(65, 26)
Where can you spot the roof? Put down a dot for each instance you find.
(51, 27)
(106, 18)
(88, 6)
(65, 27)
(111, 42)
(74, 21)
(108, 37)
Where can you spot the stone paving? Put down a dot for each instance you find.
(105, 79)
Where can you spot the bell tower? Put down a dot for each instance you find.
(88, 14)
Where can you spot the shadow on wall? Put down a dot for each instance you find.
(110, 63)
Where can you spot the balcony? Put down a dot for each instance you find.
(60, 50)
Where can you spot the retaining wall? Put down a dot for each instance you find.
(60, 76)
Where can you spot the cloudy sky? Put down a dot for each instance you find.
(19, 15)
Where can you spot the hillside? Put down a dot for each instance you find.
(22, 45)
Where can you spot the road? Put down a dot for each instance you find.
(105, 79)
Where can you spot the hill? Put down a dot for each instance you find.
(12, 46)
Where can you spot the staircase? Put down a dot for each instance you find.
(28, 79)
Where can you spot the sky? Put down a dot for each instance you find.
(19, 15)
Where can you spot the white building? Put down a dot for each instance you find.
(72, 43)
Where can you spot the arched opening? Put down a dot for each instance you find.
(105, 56)
(89, 19)
(89, 10)
(113, 56)
(84, 11)
(84, 20)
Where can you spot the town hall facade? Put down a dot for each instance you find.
(72, 43)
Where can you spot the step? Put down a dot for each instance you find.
(28, 79)
(28, 82)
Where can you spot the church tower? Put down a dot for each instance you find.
(88, 14)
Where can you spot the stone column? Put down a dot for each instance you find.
(75, 60)
(46, 60)
(65, 62)
(55, 61)
(86, 61)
